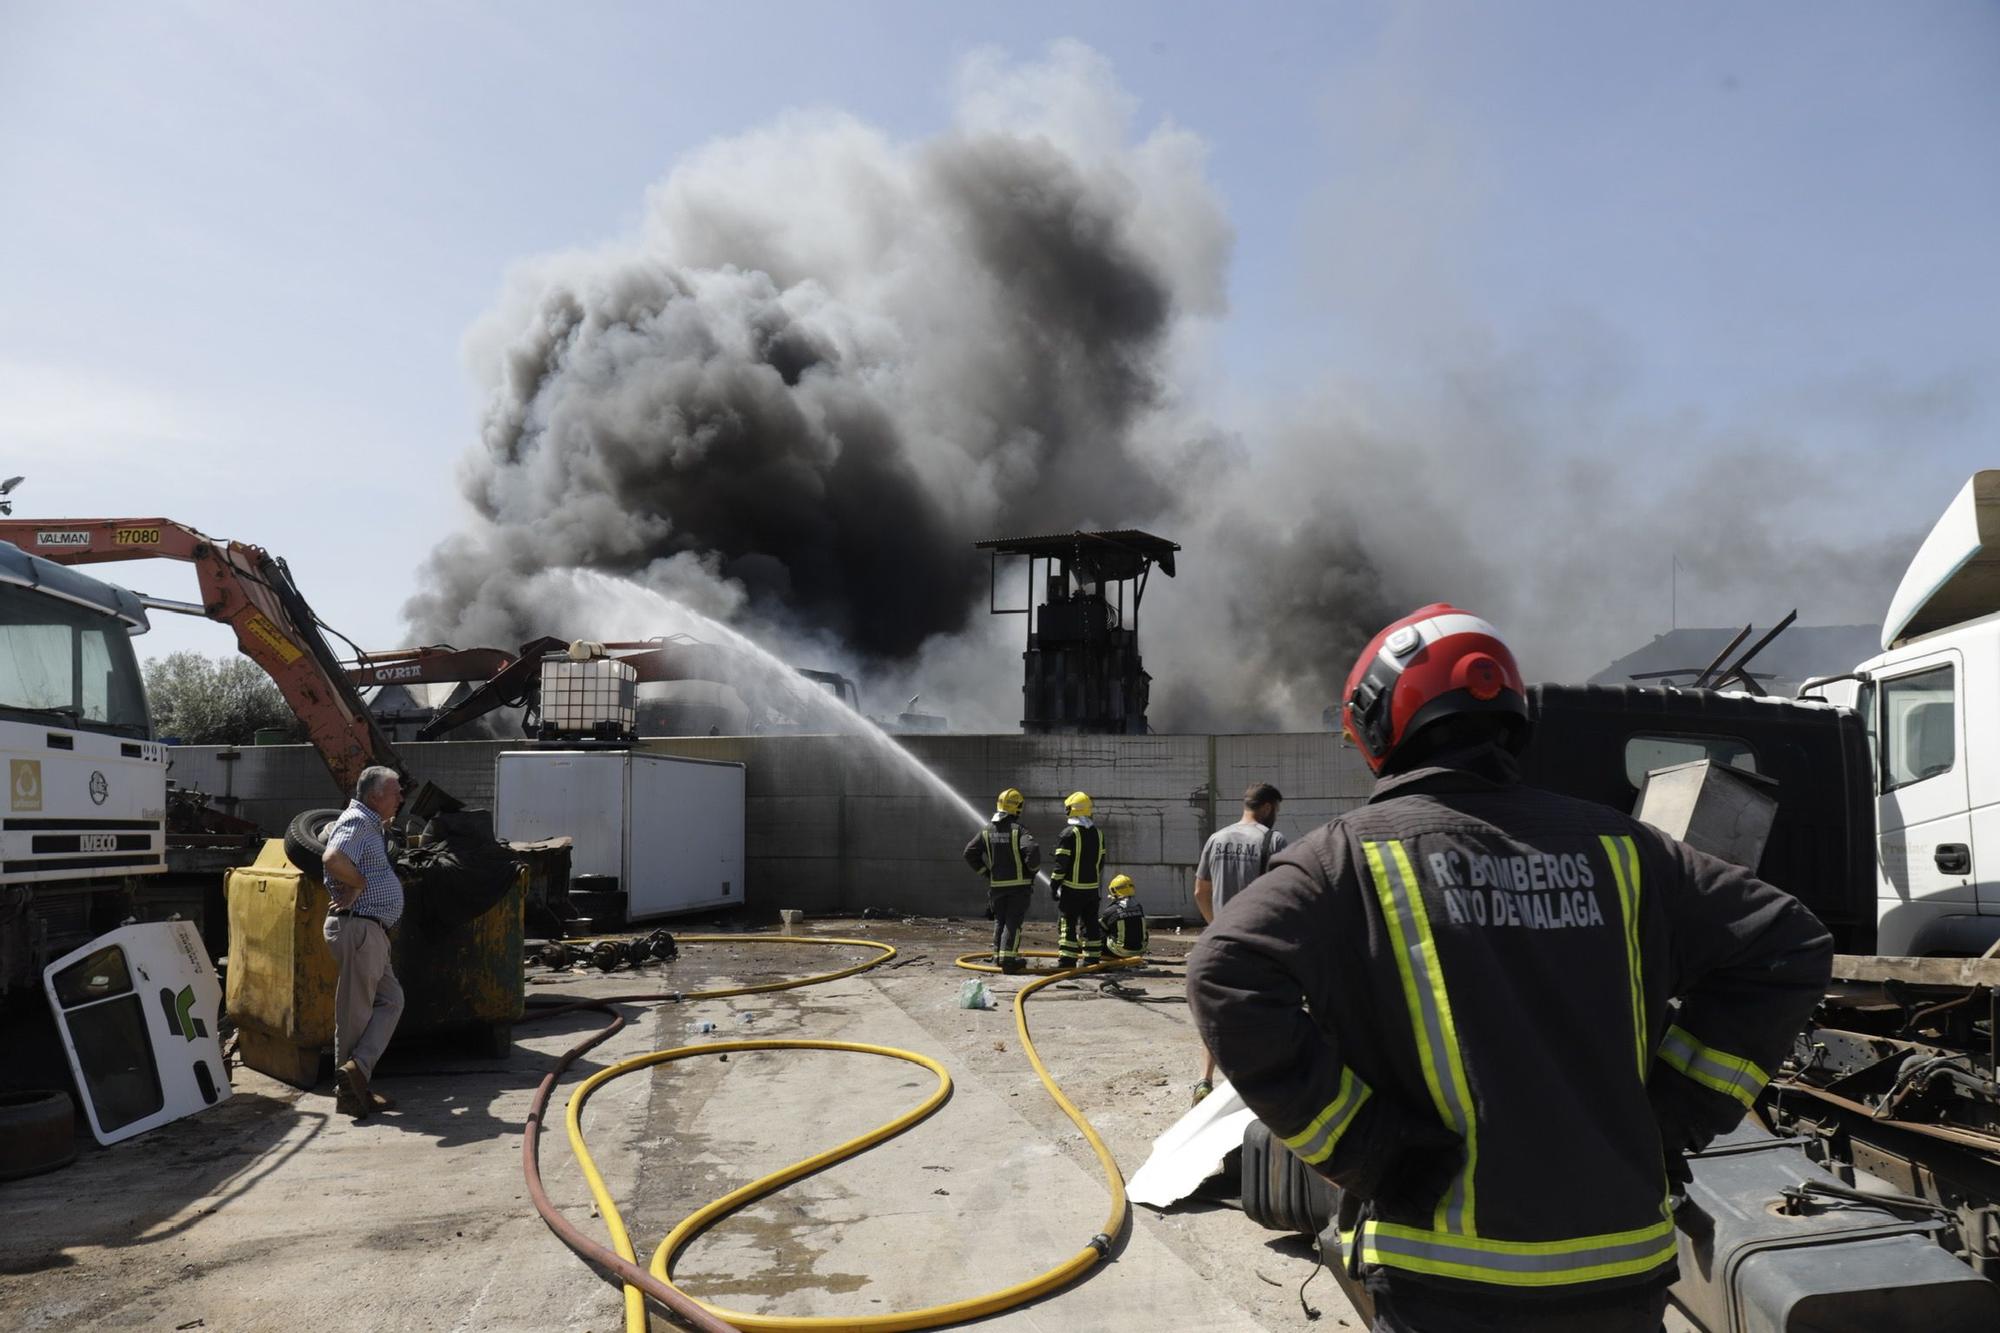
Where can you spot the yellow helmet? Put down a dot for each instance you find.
(1008, 802)
(1121, 886)
(1078, 805)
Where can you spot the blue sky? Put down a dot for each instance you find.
(243, 242)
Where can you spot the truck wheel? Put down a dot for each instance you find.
(37, 1133)
(305, 840)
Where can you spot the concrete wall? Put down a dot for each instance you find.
(839, 823)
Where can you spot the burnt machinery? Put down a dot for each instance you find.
(1081, 670)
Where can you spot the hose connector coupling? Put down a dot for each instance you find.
(1102, 1244)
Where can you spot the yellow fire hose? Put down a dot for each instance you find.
(706, 1216)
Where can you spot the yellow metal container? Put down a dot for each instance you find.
(281, 973)
(462, 978)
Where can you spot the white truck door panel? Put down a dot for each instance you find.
(140, 1010)
(1923, 817)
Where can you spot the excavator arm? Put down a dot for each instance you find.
(252, 592)
(432, 665)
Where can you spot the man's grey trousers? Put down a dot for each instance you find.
(368, 1000)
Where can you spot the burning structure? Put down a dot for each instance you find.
(1081, 669)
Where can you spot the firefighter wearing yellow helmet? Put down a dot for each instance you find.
(1124, 920)
(1007, 855)
(1080, 855)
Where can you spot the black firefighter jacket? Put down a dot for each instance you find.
(1487, 1049)
(1005, 853)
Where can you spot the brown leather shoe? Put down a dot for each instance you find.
(352, 1096)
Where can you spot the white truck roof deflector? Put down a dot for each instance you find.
(1955, 576)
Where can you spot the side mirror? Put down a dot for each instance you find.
(1820, 682)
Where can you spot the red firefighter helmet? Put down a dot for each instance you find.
(1434, 663)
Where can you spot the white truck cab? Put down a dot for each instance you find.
(1931, 705)
(85, 803)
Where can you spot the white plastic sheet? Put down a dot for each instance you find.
(1192, 1150)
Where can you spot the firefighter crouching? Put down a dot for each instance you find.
(1006, 854)
(1124, 920)
(1486, 1056)
(1079, 864)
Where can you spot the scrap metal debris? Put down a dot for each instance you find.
(607, 955)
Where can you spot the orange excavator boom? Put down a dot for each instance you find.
(251, 591)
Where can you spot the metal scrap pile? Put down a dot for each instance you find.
(606, 955)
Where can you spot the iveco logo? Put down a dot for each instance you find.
(99, 789)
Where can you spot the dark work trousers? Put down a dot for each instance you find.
(1407, 1309)
(1010, 909)
(1082, 933)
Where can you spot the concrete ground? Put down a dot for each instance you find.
(273, 1211)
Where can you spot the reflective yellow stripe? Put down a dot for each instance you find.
(1316, 1142)
(1021, 875)
(1430, 1020)
(1519, 1263)
(1624, 854)
(1730, 1075)
(1076, 879)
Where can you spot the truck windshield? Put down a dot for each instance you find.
(67, 664)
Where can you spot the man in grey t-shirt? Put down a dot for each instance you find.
(1230, 859)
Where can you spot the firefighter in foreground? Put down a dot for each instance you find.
(1124, 920)
(1007, 855)
(1079, 866)
(1486, 1057)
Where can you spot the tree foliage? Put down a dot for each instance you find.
(222, 701)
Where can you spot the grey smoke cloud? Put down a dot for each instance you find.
(830, 361)
(1554, 517)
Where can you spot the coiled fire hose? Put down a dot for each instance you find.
(621, 1261)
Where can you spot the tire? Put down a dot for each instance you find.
(1280, 1191)
(305, 840)
(37, 1133)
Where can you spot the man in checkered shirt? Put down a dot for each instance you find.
(365, 901)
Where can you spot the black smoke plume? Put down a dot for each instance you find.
(830, 361)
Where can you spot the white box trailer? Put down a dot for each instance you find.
(667, 828)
